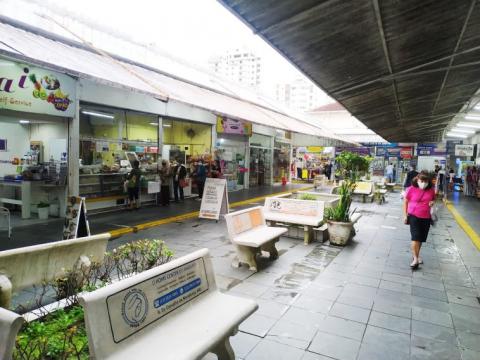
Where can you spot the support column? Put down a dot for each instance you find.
(74, 151)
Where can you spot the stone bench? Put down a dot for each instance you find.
(10, 324)
(31, 265)
(250, 234)
(365, 190)
(171, 312)
(306, 213)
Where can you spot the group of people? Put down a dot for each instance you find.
(171, 173)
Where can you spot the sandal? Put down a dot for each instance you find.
(414, 265)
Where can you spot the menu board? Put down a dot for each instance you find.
(76, 223)
(214, 199)
(132, 309)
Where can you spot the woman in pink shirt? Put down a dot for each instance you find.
(419, 198)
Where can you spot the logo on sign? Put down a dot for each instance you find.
(134, 307)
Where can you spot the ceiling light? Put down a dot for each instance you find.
(98, 114)
(469, 125)
(463, 131)
(167, 125)
(24, 121)
(154, 124)
(457, 135)
(472, 117)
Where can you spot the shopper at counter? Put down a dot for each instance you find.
(165, 173)
(200, 177)
(179, 173)
(133, 186)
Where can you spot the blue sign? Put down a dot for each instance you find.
(172, 295)
(3, 144)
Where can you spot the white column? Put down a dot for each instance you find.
(74, 151)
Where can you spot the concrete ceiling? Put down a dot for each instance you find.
(404, 68)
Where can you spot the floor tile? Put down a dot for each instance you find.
(257, 325)
(364, 280)
(243, 343)
(434, 332)
(254, 290)
(469, 340)
(334, 346)
(268, 350)
(390, 322)
(292, 334)
(302, 316)
(468, 354)
(427, 349)
(314, 304)
(355, 301)
(393, 286)
(342, 327)
(429, 284)
(312, 356)
(429, 293)
(350, 312)
(390, 339)
(393, 308)
(432, 316)
(271, 308)
(380, 352)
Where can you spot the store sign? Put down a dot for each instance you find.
(451, 146)
(31, 89)
(361, 150)
(406, 153)
(315, 149)
(230, 126)
(214, 199)
(463, 150)
(431, 149)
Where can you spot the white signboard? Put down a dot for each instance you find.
(27, 88)
(135, 308)
(294, 207)
(463, 150)
(214, 199)
(153, 187)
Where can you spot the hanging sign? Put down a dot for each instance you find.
(360, 150)
(230, 126)
(76, 222)
(214, 199)
(463, 150)
(27, 88)
(406, 152)
(431, 149)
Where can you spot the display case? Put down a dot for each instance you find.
(101, 185)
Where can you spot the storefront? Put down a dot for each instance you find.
(36, 107)
(261, 156)
(282, 153)
(232, 151)
(311, 160)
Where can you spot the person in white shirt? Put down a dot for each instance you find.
(389, 172)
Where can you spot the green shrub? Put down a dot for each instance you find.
(307, 197)
(341, 212)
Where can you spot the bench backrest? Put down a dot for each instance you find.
(31, 265)
(119, 314)
(363, 188)
(294, 206)
(244, 220)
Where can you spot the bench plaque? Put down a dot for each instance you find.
(138, 306)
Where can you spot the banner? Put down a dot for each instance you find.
(230, 126)
(432, 149)
(463, 150)
(27, 88)
(360, 150)
(406, 152)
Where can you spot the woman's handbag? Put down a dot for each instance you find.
(183, 183)
(433, 215)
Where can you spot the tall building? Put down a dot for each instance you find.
(239, 65)
(300, 94)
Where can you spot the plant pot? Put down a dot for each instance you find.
(43, 213)
(339, 232)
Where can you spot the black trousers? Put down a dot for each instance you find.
(200, 186)
(177, 189)
(164, 195)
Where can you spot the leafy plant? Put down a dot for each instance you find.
(42, 204)
(352, 164)
(307, 197)
(341, 212)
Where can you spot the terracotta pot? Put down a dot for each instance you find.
(339, 232)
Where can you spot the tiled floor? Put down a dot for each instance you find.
(361, 302)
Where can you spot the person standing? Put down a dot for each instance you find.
(180, 173)
(411, 174)
(299, 166)
(419, 199)
(389, 172)
(165, 177)
(133, 186)
(201, 177)
(328, 170)
(451, 176)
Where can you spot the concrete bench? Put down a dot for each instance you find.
(308, 214)
(250, 234)
(390, 186)
(31, 265)
(380, 195)
(365, 190)
(171, 312)
(10, 324)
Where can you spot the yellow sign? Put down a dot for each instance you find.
(315, 149)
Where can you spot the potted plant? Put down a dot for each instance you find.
(43, 210)
(352, 165)
(338, 217)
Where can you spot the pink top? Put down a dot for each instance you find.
(418, 200)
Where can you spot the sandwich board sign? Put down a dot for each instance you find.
(76, 222)
(214, 199)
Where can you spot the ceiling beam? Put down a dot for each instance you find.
(459, 40)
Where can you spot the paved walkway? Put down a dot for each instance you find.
(362, 302)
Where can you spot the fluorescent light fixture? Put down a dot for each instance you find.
(98, 114)
(463, 131)
(167, 125)
(24, 121)
(472, 117)
(469, 125)
(457, 135)
(154, 124)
